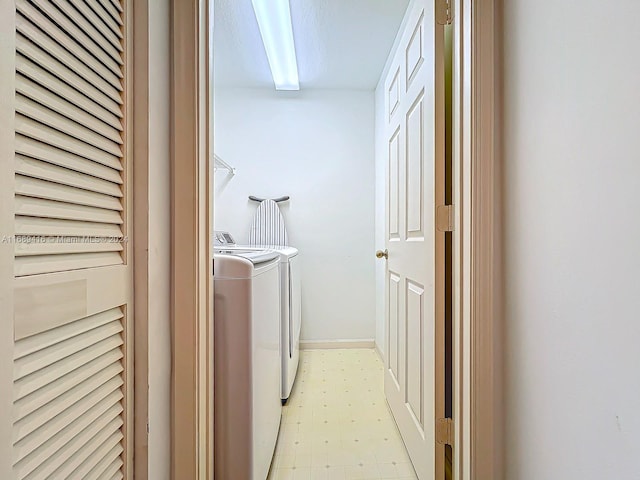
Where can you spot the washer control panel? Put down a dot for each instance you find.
(223, 238)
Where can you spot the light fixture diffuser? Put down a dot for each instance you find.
(274, 21)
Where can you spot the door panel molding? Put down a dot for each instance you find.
(414, 158)
(415, 342)
(393, 338)
(414, 52)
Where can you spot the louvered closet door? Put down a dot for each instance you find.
(72, 351)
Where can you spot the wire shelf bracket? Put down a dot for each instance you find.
(219, 163)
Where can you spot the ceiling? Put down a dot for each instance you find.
(339, 43)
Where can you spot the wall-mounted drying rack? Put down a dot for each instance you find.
(219, 163)
(277, 200)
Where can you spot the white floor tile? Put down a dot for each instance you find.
(336, 424)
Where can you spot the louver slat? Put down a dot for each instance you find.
(68, 246)
(30, 70)
(117, 4)
(37, 207)
(63, 107)
(96, 43)
(113, 472)
(32, 187)
(65, 74)
(42, 264)
(33, 451)
(56, 156)
(35, 111)
(54, 372)
(60, 351)
(66, 40)
(55, 138)
(63, 406)
(46, 339)
(33, 168)
(111, 433)
(100, 377)
(64, 228)
(72, 27)
(79, 447)
(68, 407)
(101, 20)
(85, 70)
(114, 9)
(101, 460)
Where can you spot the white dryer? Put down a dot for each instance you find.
(291, 319)
(290, 306)
(247, 362)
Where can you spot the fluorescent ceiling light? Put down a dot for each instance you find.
(274, 20)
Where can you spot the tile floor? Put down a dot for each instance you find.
(336, 424)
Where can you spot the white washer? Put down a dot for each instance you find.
(247, 362)
(291, 315)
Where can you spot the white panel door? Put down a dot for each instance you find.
(65, 253)
(415, 162)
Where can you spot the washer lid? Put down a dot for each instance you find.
(254, 256)
(285, 252)
(243, 266)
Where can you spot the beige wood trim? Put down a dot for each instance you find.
(440, 298)
(191, 300)
(207, 38)
(461, 160)
(128, 253)
(485, 303)
(478, 392)
(141, 236)
(7, 148)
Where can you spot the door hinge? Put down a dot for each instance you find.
(444, 431)
(444, 15)
(445, 219)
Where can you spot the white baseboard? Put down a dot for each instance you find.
(328, 344)
(377, 348)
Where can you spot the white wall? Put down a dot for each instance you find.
(572, 236)
(381, 156)
(318, 147)
(380, 203)
(159, 253)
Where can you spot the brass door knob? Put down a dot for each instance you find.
(381, 254)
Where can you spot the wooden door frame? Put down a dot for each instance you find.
(478, 312)
(478, 321)
(140, 115)
(191, 249)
